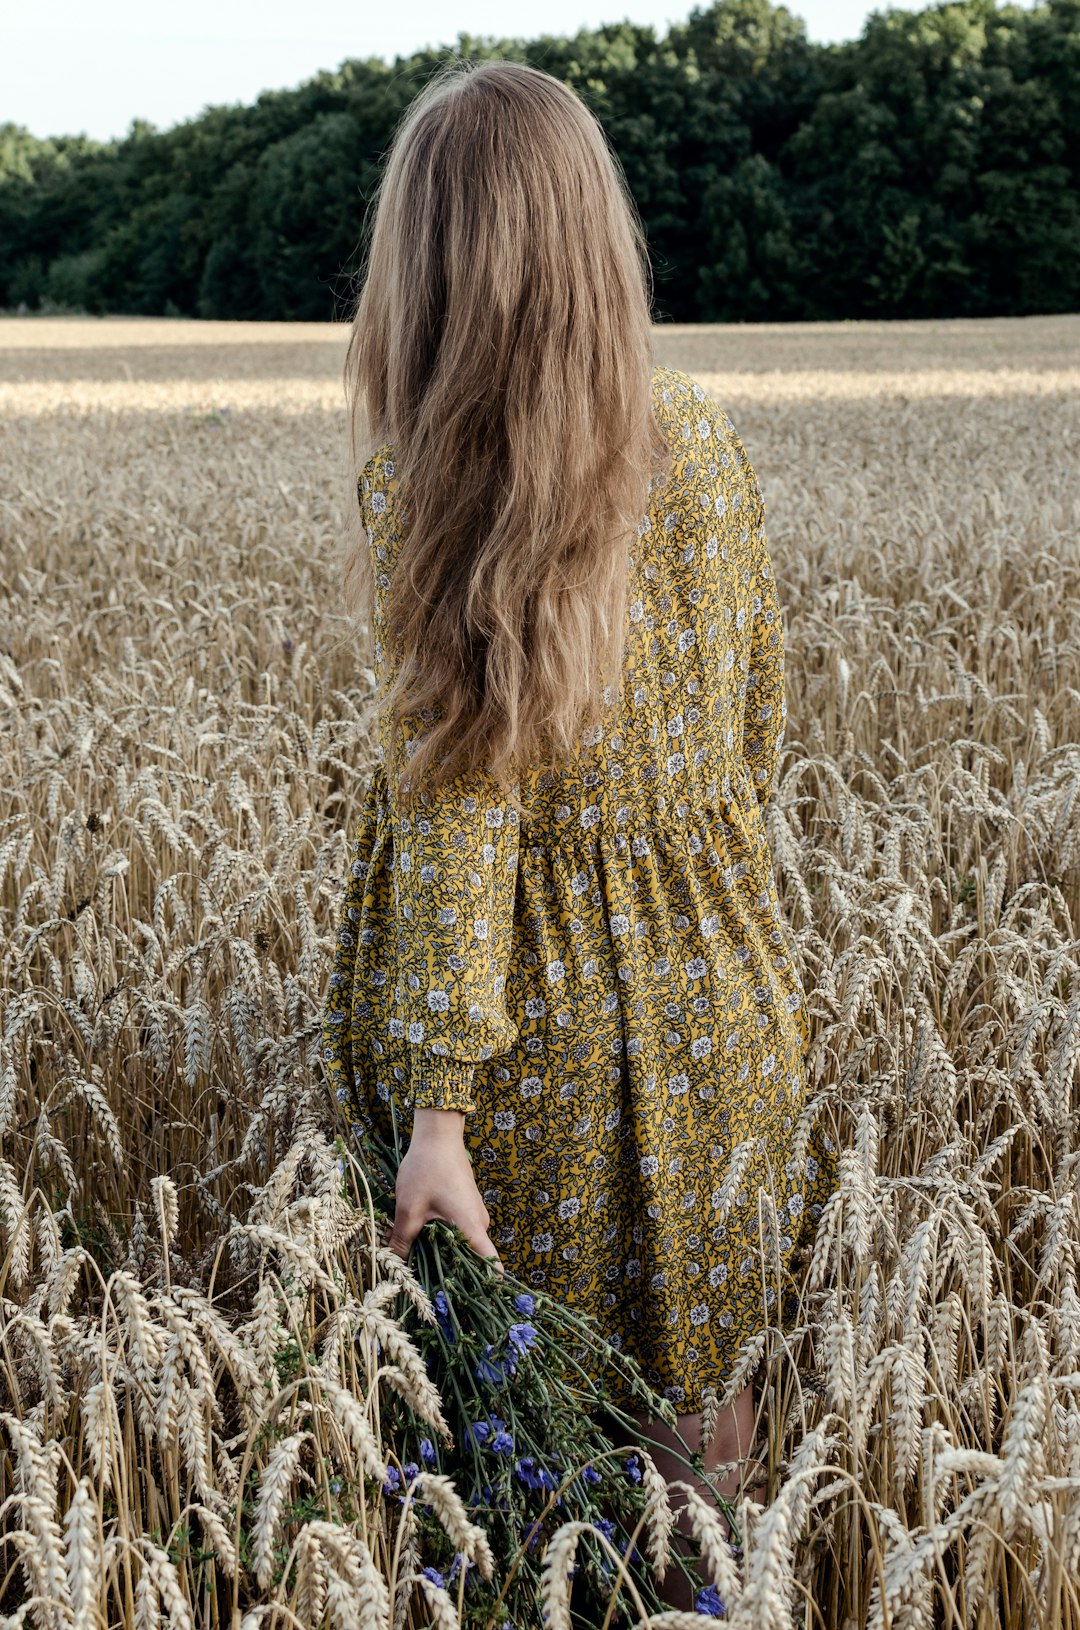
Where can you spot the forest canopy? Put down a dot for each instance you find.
(927, 169)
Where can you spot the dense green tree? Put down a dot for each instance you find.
(928, 168)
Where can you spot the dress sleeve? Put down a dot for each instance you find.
(454, 871)
(765, 704)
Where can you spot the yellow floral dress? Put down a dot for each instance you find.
(608, 988)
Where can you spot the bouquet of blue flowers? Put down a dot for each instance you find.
(524, 1384)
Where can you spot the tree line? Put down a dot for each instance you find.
(927, 169)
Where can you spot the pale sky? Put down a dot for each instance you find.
(70, 68)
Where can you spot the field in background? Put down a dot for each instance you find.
(182, 762)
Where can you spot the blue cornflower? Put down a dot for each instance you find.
(606, 1526)
(532, 1533)
(502, 1444)
(590, 1473)
(533, 1475)
(391, 1479)
(633, 1469)
(436, 1577)
(427, 1451)
(486, 1370)
(460, 1564)
(521, 1336)
(492, 1430)
(442, 1313)
(410, 1470)
(709, 1603)
(527, 1471)
(525, 1305)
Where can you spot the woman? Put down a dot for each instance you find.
(561, 959)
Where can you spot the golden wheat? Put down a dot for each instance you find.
(187, 1259)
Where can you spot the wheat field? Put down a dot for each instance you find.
(196, 1318)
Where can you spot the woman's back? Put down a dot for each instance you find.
(702, 703)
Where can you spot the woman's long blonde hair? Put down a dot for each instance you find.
(502, 344)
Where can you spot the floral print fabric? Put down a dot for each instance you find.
(608, 988)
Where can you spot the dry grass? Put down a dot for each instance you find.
(189, 1289)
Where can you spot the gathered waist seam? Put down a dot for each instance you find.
(617, 818)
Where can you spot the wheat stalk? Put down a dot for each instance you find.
(84, 1554)
(447, 1504)
(276, 1482)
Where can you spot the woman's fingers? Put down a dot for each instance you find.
(405, 1228)
(484, 1246)
(401, 1236)
(408, 1221)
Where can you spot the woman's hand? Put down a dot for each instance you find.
(435, 1179)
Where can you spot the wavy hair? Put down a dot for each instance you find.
(502, 344)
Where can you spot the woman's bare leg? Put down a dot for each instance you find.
(731, 1442)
